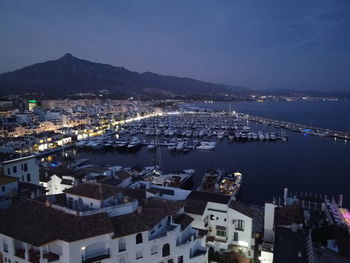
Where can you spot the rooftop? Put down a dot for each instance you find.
(34, 223)
(242, 208)
(7, 179)
(184, 220)
(94, 190)
(286, 215)
(196, 207)
(209, 197)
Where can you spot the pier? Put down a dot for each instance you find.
(297, 127)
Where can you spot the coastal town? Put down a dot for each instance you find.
(60, 208)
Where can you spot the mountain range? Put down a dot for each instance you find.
(70, 75)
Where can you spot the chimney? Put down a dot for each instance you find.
(340, 200)
(47, 203)
(285, 195)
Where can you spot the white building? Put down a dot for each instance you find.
(26, 169)
(229, 223)
(8, 188)
(100, 223)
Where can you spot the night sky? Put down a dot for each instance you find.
(261, 44)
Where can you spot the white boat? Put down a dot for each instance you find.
(178, 179)
(134, 142)
(172, 147)
(151, 146)
(180, 146)
(205, 145)
(148, 171)
(220, 135)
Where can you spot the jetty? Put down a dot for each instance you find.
(297, 127)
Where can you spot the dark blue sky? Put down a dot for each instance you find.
(261, 44)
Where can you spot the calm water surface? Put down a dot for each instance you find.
(303, 163)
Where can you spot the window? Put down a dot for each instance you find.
(212, 217)
(166, 250)
(6, 247)
(154, 250)
(217, 218)
(3, 188)
(139, 238)
(8, 171)
(121, 245)
(235, 236)
(139, 255)
(221, 233)
(239, 225)
(15, 169)
(25, 167)
(180, 259)
(170, 261)
(224, 219)
(28, 177)
(22, 178)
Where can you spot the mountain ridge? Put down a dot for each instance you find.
(68, 75)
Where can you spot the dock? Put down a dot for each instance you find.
(297, 127)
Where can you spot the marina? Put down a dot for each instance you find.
(181, 132)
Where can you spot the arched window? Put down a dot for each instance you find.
(139, 238)
(166, 250)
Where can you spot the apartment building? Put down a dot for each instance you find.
(100, 223)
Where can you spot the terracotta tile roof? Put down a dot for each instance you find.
(184, 220)
(152, 212)
(209, 197)
(196, 207)
(94, 190)
(242, 208)
(34, 223)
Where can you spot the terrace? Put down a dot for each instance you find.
(34, 255)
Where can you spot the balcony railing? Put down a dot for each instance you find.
(99, 255)
(34, 255)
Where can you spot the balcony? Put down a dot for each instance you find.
(97, 256)
(198, 252)
(34, 255)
